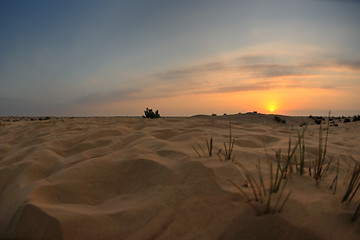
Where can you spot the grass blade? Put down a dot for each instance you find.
(283, 204)
(196, 150)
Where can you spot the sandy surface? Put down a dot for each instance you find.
(134, 178)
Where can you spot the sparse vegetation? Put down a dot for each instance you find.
(281, 166)
(278, 119)
(149, 113)
(334, 183)
(209, 145)
(352, 188)
(228, 152)
(303, 124)
(318, 121)
(353, 185)
(319, 166)
(259, 191)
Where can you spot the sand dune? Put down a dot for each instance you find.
(134, 178)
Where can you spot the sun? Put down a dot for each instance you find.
(271, 107)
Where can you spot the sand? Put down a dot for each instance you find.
(134, 178)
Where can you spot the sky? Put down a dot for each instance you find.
(111, 58)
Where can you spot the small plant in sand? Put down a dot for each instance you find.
(228, 152)
(334, 182)
(259, 191)
(356, 214)
(300, 166)
(149, 113)
(319, 165)
(209, 145)
(353, 187)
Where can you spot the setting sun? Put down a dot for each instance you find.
(272, 110)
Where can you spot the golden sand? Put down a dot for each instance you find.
(134, 178)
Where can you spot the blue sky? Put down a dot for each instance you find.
(181, 57)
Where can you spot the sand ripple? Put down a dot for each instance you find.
(133, 178)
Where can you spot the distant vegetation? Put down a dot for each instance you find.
(150, 114)
(278, 119)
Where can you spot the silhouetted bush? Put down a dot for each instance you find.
(346, 120)
(214, 114)
(303, 124)
(278, 119)
(150, 114)
(318, 121)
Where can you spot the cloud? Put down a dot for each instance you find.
(180, 74)
(253, 58)
(241, 73)
(273, 70)
(247, 72)
(351, 64)
(98, 98)
(252, 72)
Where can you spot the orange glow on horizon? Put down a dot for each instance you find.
(279, 101)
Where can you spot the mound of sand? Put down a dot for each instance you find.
(133, 178)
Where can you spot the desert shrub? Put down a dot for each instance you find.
(149, 113)
(277, 118)
(303, 124)
(318, 121)
(346, 120)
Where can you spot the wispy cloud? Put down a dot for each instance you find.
(242, 73)
(99, 98)
(192, 71)
(247, 72)
(273, 70)
(351, 64)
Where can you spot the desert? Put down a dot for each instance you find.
(184, 120)
(137, 178)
